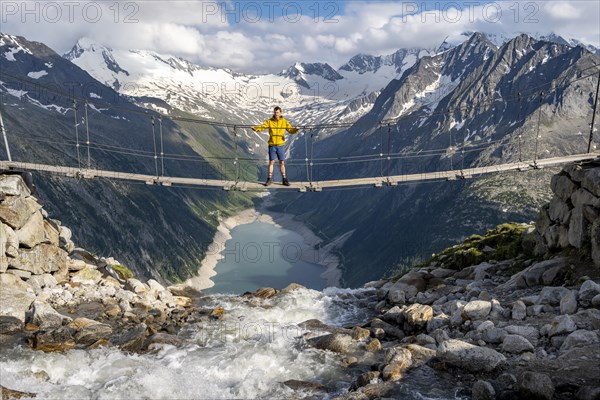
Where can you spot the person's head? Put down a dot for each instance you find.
(277, 112)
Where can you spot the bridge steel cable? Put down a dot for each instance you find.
(312, 141)
(537, 133)
(87, 132)
(236, 161)
(462, 151)
(389, 147)
(521, 128)
(162, 150)
(304, 133)
(450, 155)
(380, 149)
(76, 133)
(594, 115)
(154, 142)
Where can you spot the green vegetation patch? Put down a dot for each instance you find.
(122, 272)
(500, 243)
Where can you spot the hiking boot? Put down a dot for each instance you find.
(286, 182)
(268, 181)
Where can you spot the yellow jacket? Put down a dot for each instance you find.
(277, 128)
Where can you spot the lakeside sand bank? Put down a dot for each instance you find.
(309, 251)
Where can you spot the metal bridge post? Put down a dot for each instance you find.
(593, 115)
(5, 139)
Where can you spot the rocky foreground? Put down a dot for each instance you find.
(512, 314)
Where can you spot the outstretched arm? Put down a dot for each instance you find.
(290, 129)
(261, 127)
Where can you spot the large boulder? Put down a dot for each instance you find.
(559, 211)
(400, 292)
(537, 274)
(561, 325)
(415, 279)
(389, 329)
(32, 233)
(51, 232)
(11, 241)
(588, 290)
(578, 233)
(40, 282)
(580, 338)
(14, 302)
(417, 315)
(10, 325)
(582, 197)
(470, 357)
(42, 259)
(89, 331)
(87, 276)
(46, 317)
(14, 282)
(13, 185)
(131, 339)
(477, 310)
(483, 390)
(519, 310)
(15, 211)
(420, 355)
(398, 359)
(136, 286)
(552, 295)
(591, 181)
(336, 342)
(536, 386)
(53, 340)
(562, 186)
(516, 344)
(531, 333)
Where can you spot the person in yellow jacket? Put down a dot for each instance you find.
(277, 126)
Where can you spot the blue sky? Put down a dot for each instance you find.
(268, 36)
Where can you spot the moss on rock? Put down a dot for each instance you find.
(501, 243)
(122, 271)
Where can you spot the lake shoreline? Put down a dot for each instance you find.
(309, 250)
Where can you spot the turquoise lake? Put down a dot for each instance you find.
(263, 255)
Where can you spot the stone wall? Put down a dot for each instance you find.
(33, 248)
(572, 218)
(44, 279)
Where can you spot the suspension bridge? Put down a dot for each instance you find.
(302, 186)
(84, 170)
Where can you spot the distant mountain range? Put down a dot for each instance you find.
(309, 92)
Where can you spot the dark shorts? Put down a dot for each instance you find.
(276, 151)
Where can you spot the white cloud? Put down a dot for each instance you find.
(271, 40)
(563, 10)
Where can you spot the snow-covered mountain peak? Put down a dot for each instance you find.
(15, 44)
(199, 90)
(500, 39)
(85, 44)
(299, 72)
(9, 40)
(400, 61)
